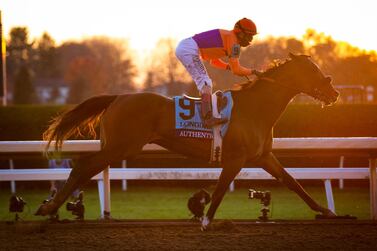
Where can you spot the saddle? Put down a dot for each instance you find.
(221, 100)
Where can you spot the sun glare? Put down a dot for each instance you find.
(144, 22)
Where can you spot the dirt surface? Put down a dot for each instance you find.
(181, 235)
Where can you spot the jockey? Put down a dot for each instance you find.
(212, 46)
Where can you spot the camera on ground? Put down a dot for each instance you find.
(265, 197)
(77, 207)
(16, 204)
(265, 200)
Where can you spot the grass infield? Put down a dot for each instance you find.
(157, 202)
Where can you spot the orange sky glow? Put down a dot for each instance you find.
(144, 22)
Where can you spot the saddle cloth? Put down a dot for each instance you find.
(188, 122)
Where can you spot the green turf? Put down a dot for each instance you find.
(170, 203)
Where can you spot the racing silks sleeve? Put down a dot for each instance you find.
(234, 63)
(220, 64)
(238, 69)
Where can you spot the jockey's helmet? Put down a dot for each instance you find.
(245, 25)
(245, 29)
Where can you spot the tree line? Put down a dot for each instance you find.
(103, 65)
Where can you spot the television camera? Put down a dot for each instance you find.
(265, 200)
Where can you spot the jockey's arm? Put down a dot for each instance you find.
(238, 69)
(220, 64)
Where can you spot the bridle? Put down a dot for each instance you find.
(316, 93)
(271, 80)
(313, 92)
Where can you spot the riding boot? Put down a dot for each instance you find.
(206, 107)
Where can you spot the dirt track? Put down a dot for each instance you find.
(180, 235)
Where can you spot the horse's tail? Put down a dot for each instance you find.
(82, 119)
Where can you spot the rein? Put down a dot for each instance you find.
(262, 78)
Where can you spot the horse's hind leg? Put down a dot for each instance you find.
(85, 168)
(273, 166)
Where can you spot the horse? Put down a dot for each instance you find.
(130, 121)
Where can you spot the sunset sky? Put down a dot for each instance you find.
(143, 22)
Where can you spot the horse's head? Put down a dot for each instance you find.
(309, 79)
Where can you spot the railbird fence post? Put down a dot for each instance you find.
(341, 165)
(124, 182)
(373, 187)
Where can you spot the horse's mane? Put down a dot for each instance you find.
(273, 66)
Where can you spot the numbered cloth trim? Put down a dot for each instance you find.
(188, 122)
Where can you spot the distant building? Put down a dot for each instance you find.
(371, 94)
(51, 90)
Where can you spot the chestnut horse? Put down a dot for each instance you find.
(128, 122)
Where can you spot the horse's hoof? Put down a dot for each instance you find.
(41, 210)
(328, 213)
(205, 223)
(46, 209)
(204, 228)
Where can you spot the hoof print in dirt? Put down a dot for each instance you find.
(226, 225)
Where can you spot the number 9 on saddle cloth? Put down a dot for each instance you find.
(188, 121)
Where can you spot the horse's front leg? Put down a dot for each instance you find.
(230, 169)
(273, 166)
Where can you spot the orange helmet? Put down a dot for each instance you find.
(245, 25)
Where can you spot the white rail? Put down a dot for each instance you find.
(356, 146)
(312, 173)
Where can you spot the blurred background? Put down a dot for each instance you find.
(63, 53)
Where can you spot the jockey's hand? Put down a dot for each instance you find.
(257, 73)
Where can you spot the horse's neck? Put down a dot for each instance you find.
(268, 99)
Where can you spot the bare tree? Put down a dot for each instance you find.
(164, 69)
(115, 59)
(46, 65)
(24, 92)
(97, 65)
(19, 66)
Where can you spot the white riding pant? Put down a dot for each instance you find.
(188, 53)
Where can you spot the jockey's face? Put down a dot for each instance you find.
(245, 38)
